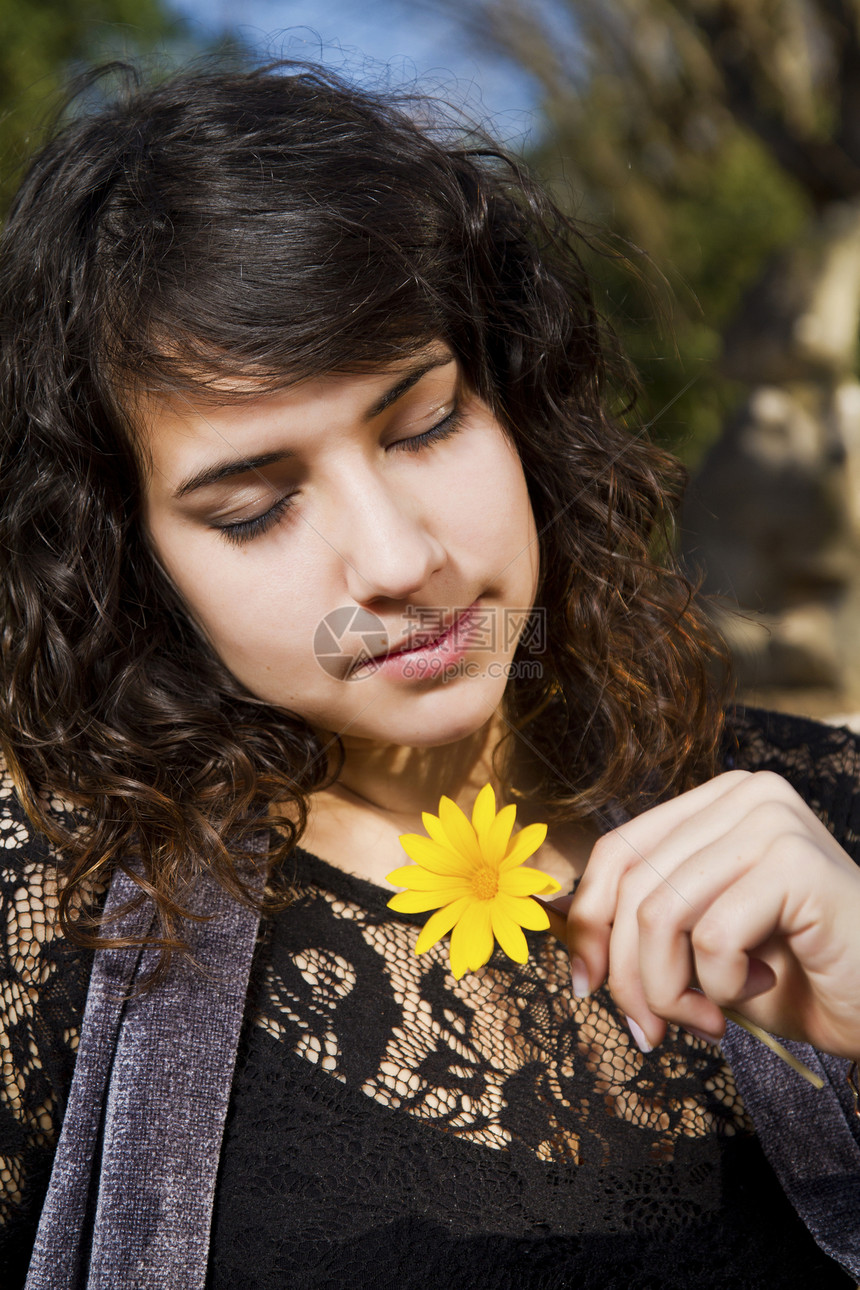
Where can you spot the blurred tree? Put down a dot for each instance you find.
(41, 41)
(702, 130)
(724, 136)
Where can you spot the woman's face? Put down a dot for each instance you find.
(359, 550)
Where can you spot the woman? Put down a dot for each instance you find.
(313, 512)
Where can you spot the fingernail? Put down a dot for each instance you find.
(703, 1034)
(639, 1035)
(579, 977)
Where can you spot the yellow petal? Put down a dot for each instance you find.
(432, 856)
(417, 902)
(418, 879)
(524, 844)
(496, 841)
(550, 889)
(525, 882)
(433, 825)
(471, 939)
(484, 810)
(461, 835)
(525, 911)
(509, 934)
(440, 924)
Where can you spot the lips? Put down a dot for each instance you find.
(420, 641)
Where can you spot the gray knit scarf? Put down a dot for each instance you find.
(130, 1200)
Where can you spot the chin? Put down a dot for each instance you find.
(441, 715)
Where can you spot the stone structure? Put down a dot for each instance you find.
(773, 515)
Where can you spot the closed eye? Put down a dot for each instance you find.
(443, 429)
(243, 530)
(240, 531)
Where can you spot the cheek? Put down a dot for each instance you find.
(495, 517)
(482, 475)
(257, 608)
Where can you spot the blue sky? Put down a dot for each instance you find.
(412, 41)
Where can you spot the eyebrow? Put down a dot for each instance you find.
(406, 382)
(228, 469)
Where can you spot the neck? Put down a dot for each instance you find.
(402, 781)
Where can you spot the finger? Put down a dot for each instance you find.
(595, 910)
(724, 941)
(667, 914)
(651, 965)
(652, 960)
(616, 860)
(592, 912)
(642, 834)
(778, 904)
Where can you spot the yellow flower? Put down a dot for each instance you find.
(470, 874)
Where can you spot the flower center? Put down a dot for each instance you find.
(485, 883)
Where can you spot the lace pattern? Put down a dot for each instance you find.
(502, 1054)
(501, 1060)
(43, 984)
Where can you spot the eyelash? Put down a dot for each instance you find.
(244, 530)
(442, 430)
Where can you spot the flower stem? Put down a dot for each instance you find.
(815, 1080)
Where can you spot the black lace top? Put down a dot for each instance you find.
(392, 1127)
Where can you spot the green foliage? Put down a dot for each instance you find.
(42, 41)
(737, 211)
(714, 135)
(711, 218)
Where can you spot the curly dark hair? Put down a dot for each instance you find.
(275, 224)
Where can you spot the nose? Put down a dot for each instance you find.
(387, 549)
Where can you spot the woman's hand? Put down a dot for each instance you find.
(733, 895)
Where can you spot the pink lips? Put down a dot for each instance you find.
(431, 658)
